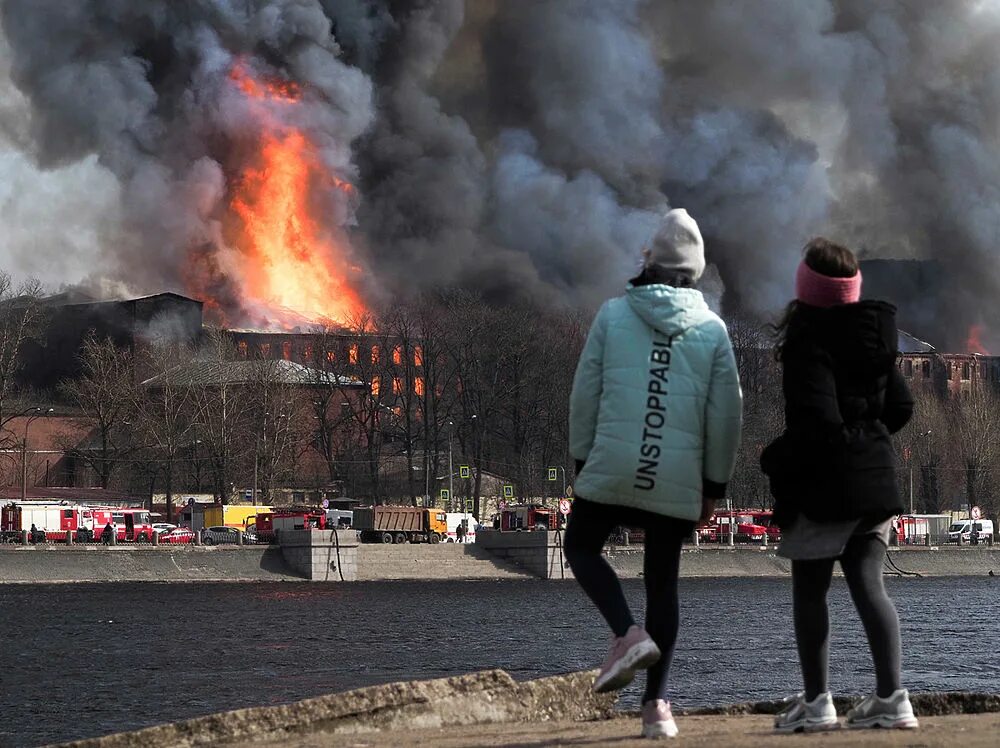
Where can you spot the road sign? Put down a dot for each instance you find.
(508, 491)
(191, 501)
(248, 494)
(464, 472)
(470, 504)
(976, 513)
(553, 473)
(326, 503)
(445, 494)
(569, 492)
(564, 507)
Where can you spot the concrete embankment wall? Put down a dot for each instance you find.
(320, 556)
(764, 562)
(41, 564)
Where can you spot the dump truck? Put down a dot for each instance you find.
(399, 524)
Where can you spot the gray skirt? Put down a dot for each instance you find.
(806, 540)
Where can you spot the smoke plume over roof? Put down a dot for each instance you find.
(516, 147)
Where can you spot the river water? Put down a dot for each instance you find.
(84, 660)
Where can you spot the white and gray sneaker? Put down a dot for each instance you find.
(807, 716)
(893, 711)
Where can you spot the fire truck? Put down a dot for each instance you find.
(529, 517)
(269, 524)
(747, 529)
(56, 519)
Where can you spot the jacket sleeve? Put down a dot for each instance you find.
(723, 421)
(585, 398)
(898, 402)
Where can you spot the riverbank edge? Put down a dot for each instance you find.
(485, 698)
(75, 564)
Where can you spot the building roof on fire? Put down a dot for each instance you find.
(910, 344)
(215, 373)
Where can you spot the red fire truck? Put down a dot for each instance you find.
(747, 529)
(529, 517)
(270, 523)
(55, 519)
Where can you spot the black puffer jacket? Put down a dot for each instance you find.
(844, 396)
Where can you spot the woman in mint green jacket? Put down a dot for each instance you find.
(655, 419)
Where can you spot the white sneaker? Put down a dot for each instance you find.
(807, 716)
(657, 720)
(894, 711)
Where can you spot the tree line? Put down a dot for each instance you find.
(375, 408)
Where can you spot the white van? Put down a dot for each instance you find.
(454, 519)
(984, 529)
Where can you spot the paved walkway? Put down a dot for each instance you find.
(966, 731)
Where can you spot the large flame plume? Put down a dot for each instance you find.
(294, 268)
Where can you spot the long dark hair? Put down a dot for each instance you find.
(827, 258)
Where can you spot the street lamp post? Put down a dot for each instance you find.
(910, 461)
(451, 476)
(37, 413)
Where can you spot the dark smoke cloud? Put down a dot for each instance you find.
(528, 147)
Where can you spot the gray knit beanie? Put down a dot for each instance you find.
(678, 246)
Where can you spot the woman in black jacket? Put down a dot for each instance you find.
(833, 476)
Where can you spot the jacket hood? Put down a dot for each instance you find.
(862, 336)
(665, 308)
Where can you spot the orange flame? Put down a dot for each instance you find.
(974, 343)
(293, 267)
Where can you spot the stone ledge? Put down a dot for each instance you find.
(488, 697)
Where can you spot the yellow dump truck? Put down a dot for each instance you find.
(239, 516)
(400, 524)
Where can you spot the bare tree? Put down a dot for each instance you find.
(21, 320)
(165, 412)
(975, 419)
(106, 392)
(221, 408)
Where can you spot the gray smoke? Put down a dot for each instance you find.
(528, 147)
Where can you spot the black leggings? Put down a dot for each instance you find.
(590, 524)
(862, 562)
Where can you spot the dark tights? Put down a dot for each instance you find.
(590, 524)
(862, 562)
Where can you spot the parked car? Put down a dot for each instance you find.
(162, 527)
(250, 534)
(177, 535)
(220, 534)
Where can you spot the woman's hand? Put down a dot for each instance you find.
(707, 510)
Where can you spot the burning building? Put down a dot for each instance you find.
(71, 317)
(946, 374)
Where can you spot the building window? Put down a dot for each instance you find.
(307, 353)
(418, 386)
(375, 353)
(352, 354)
(907, 368)
(966, 372)
(265, 350)
(418, 356)
(925, 367)
(376, 386)
(286, 351)
(397, 386)
(242, 346)
(331, 357)
(397, 355)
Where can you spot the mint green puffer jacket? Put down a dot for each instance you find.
(656, 407)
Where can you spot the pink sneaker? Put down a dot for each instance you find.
(657, 721)
(634, 651)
